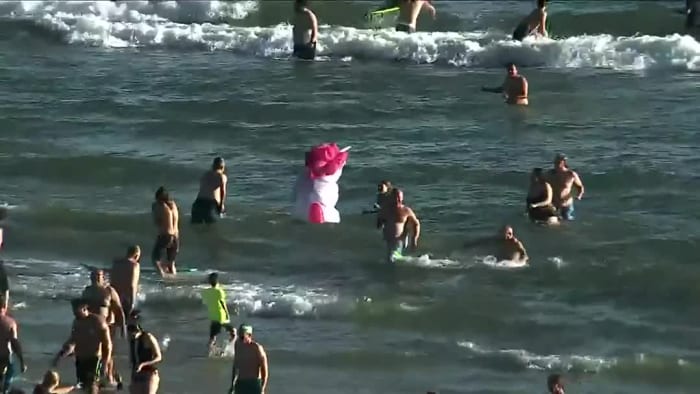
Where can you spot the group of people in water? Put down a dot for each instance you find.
(106, 310)
(550, 200)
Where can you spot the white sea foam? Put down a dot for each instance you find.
(582, 363)
(202, 24)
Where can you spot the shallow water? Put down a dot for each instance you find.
(102, 105)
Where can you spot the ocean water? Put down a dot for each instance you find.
(103, 102)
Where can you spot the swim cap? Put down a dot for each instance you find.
(245, 329)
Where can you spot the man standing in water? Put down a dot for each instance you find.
(212, 194)
(215, 300)
(124, 278)
(166, 218)
(90, 342)
(534, 22)
(514, 87)
(305, 31)
(104, 301)
(408, 14)
(562, 180)
(507, 246)
(9, 347)
(250, 372)
(399, 221)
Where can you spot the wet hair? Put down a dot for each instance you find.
(78, 303)
(134, 320)
(386, 183)
(162, 194)
(213, 278)
(537, 173)
(541, 3)
(95, 273)
(509, 65)
(51, 378)
(299, 4)
(133, 250)
(218, 163)
(553, 380)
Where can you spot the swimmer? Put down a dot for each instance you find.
(514, 87)
(534, 22)
(50, 385)
(166, 218)
(563, 180)
(145, 355)
(10, 347)
(91, 344)
(210, 202)
(539, 199)
(124, 278)
(103, 300)
(215, 300)
(383, 196)
(305, 31)
(408, 14)
(507, 246)
(399, 221)
(555, 385)
(250, 369)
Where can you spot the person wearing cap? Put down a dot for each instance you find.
(145, 355)
(250, 370)
(215, 300)
(90, 343)
(399, 222)
(212, 194)
(167, 219)
(563, 179)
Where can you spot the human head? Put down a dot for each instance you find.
(213, 279)
(512, 69)
(133, 252)
(80, 307)
(162, 195)
(133, 327)
(537, 175)
(555, 385)
(560, 161)
(218, 164)
(541, 3)
(508, 232)
(51, 379)
(299, 4)
(397, 196)
(97, 277)
(245, 333)
(384, 186)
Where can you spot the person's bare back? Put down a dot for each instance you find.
(248, 360)
(212, 186)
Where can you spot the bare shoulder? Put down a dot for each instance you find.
(260, 349)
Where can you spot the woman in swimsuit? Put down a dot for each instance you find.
(539, 199)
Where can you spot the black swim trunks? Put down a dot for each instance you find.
(88, 371)
(169, 243)
(405, 27)
(215, 329)
(305, 51)
(204, 210)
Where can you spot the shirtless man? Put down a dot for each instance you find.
(90, 342)
(408, 14)
(103, 300)
(534, 22)
(398, 220)
(507, 246)
(9, 347)
(514, 87)
(212, 194)
(562, 180)
(305, 31)
(124, 278)
(166, 218)
(250, 372)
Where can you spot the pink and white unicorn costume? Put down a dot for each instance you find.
(316, 190)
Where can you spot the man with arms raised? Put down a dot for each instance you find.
(514, 87)
(563, 180)
(209, 204)
(250, 372)
(124, 278)
(9, 347)
(90, 342)
(534, 22)
(305, 31)
(166, 218)
(399, 221)
(408, 14)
